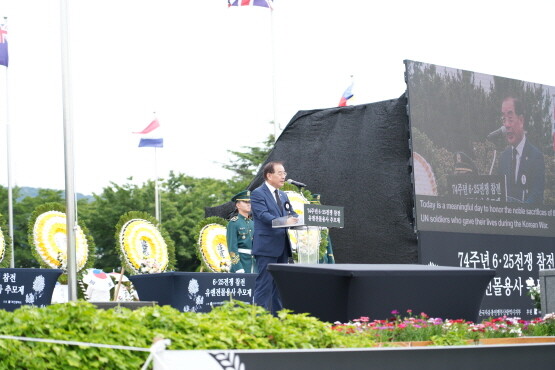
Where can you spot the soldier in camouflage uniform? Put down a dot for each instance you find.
(240, 230)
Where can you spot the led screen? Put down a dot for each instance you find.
(482, 152)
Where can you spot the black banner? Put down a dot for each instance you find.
(324, 215)
(515, 258)
(194, 291)
(20, 286)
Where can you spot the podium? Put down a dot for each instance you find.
(306, 228)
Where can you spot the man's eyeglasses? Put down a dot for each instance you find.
(281, 173)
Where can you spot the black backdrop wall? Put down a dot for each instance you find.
(356, 157)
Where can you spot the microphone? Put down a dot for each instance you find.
(296, 183)
(500, 131)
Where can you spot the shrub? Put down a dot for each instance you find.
(234, 325)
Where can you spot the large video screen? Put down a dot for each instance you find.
(483, 152)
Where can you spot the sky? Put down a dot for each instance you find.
(217, 77)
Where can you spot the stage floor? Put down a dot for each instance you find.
(343, 292)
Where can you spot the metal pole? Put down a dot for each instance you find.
(9, 164)
(10, 190)
(68, 156)
(157, 208)
(274, 103)
(9, 167)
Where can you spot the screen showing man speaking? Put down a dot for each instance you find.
(483, 152)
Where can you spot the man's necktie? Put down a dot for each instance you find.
(515, 153)
(280, 206)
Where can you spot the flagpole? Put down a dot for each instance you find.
(157, 209)
(9, 168)
(274, 103)
(68, 156)
(10, 188)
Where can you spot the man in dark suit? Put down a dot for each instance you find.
(521, 162)
(270, 245)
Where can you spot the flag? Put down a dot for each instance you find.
(348, 94)
(151, 127)
(263, 3)
(153, 140)
(4, 45)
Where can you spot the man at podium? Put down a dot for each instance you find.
(521, 162)
(270, 245)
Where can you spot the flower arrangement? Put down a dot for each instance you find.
(149, 266)
(542, 326)
(303, 240)
(212, 244)
(47, 233)
(444, 331)
(145, 247)
(5, 243)
(534, 292)
(107, 283)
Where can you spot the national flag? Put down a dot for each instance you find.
(4, 45)
(151, 140)
(347, 94)
(151, 127)
(263, 3)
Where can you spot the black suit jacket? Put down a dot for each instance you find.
(530, 181)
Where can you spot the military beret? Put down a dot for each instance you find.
(464, 164)
(244, 195)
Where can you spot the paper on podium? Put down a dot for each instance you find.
(288, 221)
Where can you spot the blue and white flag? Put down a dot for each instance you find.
(263, 3)
(153, 137)
(4, 45)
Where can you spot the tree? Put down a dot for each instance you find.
(103, 214)
(22, 210)
(185, 199)
(182, 200)
(247, 163)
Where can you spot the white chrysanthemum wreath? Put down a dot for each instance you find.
(48, 235)
(5, 244)
(212, 249)
(143, 247)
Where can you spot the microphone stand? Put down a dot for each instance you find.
(493, 161)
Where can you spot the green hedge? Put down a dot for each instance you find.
(234, 325)
(231, 326)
